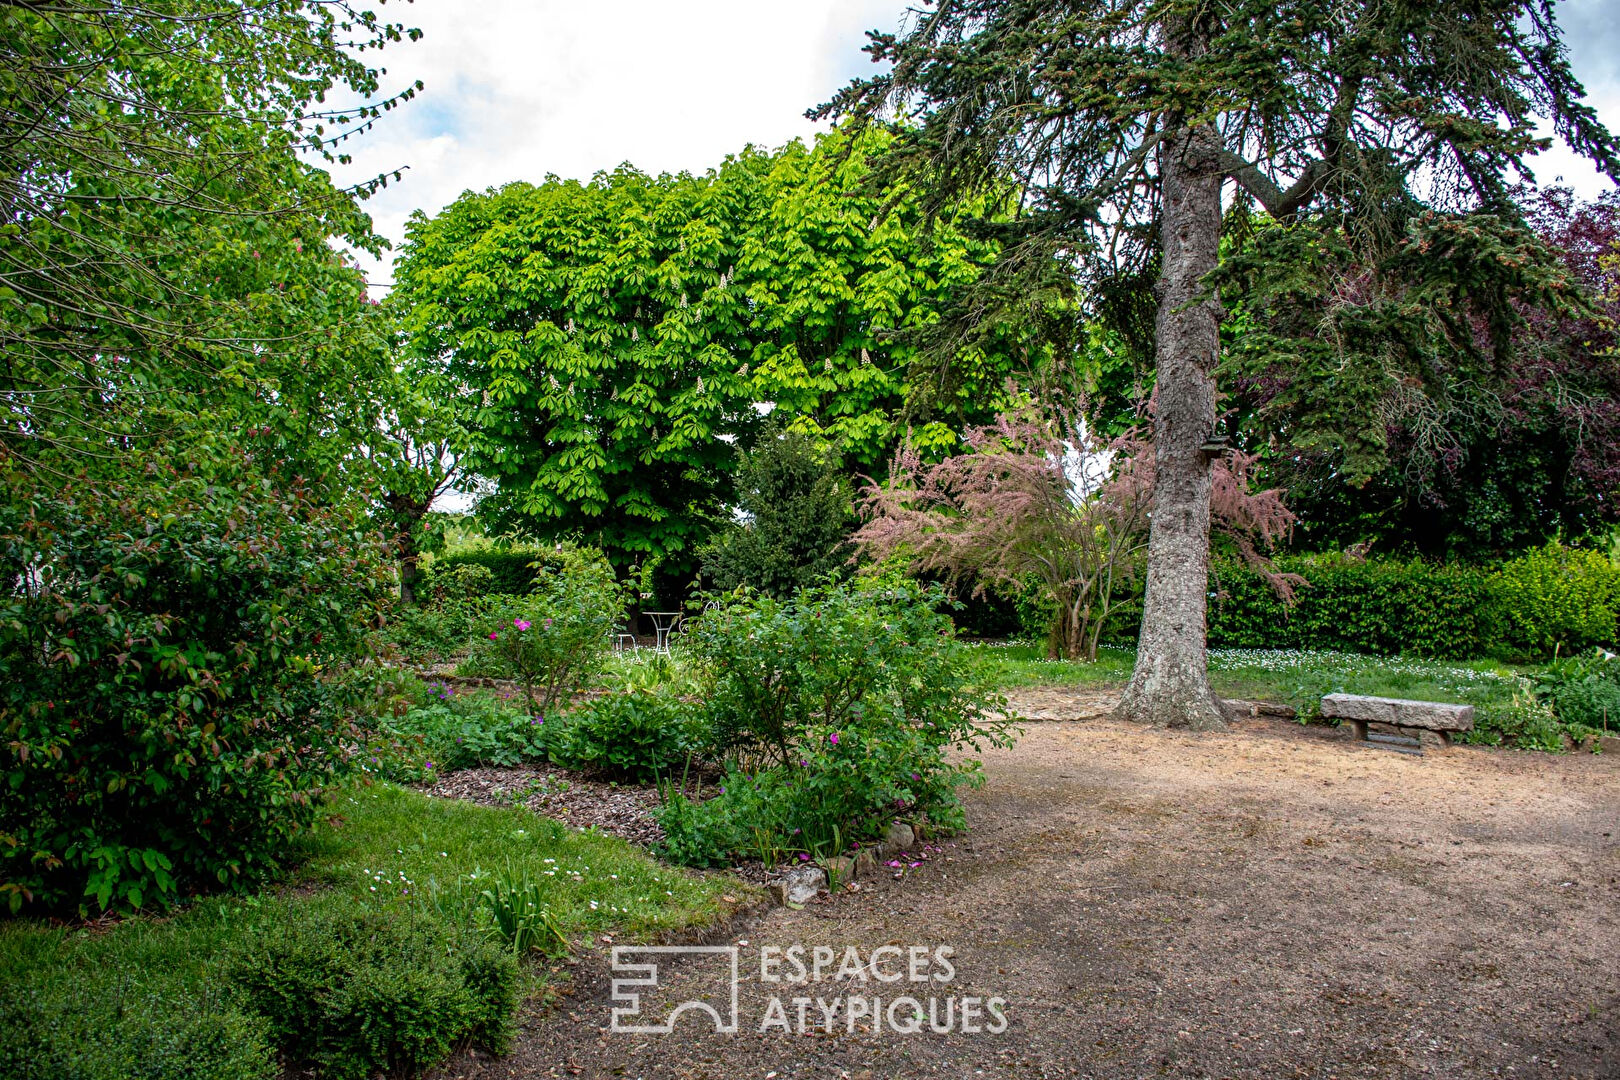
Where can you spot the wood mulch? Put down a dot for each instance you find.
(571, 798)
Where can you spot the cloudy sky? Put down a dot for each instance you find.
(517, 89)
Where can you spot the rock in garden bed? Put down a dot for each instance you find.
(621, 809)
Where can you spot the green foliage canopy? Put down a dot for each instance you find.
(166, 237)
(612, 338)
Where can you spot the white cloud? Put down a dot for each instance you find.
(517, 89)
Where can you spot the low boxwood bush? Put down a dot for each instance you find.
(55, 1032)
(837, 711)
(170, 693)
(357, 993)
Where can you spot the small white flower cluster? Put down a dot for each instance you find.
(1447, 676)
(398, 881)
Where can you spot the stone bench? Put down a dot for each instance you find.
(1431, 723)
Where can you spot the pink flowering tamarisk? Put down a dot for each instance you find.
(1040, 499)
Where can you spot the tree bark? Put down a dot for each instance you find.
(410, 561)
(406, 551)
(1170, 685)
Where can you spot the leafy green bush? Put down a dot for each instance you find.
(1379, 606)
(354, 993)
(1551, 599)
(798, 510)
(1556, 599)
(435, 631)
(466, 581)
(634, 734)
(1584, 691)
(167, 697)
(555, 639)
(838, 710)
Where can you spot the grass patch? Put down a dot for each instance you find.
(1506, 707)
(1301, 677)
(1011, 664)
(151, 996)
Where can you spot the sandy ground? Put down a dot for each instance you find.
(1268, 902)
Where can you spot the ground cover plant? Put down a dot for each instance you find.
(388, 920)
(440, 728)
(640, 730)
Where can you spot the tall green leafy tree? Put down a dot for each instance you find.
(613, 338)
(1391, 127)
(1471, 466)
(590, 327)
(412, 455)
(167, 234)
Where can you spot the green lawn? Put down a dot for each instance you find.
(1506, 709)
(1007, 665)
(150, 987)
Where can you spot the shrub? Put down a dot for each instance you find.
(638, 735)
(354, 994)
(466, 581)
(166, 690)
(1556, 599)
(1383, 607)
(838, 710)
(1552, 599)
(1584, 691)
(511, 571)
(434, 631)
(557, 638)
(798, 518)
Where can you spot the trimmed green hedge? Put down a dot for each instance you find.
(1374, 606)
(1549, 599)
(509, 568)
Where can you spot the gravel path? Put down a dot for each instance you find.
(1269, 902)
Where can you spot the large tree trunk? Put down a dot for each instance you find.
(1170, 685)
(410, 564)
